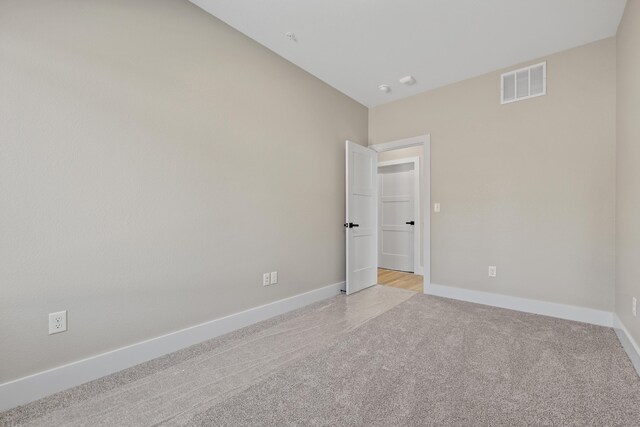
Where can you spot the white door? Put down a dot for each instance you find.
(361, 224)
(396, 211)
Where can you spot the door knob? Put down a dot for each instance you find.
(351, 225)
(410, 223)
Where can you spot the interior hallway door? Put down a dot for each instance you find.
(396, 212)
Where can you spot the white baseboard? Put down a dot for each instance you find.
(41, 384)
(628, 343)
(561, 311)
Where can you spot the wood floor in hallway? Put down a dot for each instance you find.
(400, 279)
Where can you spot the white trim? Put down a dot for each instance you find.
(417, 230)
(628, 343)
(425, 142)
(401, 143)
(41, 384)
(399, 161)
(561, 311)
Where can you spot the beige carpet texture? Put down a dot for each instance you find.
(381, 357)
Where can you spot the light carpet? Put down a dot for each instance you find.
(382, 357)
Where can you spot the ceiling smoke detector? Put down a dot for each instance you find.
(407, 80)
(384, 88)
(291, 36)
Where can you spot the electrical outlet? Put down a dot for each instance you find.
(492, 271)
(57, 322)
(266, 279)
(436, 207)
(274, 277)
(633, 306)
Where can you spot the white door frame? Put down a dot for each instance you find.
(417, 228)
(425, 142)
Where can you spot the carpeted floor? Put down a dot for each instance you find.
(384, 357)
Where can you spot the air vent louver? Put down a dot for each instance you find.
(524, 83)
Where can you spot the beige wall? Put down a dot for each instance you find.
(153, 164)
(528, 187)
(628, 176)
(404, 153)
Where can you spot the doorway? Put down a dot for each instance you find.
(400, 244)
(362, 213)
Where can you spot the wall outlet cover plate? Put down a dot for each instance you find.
(57, 322)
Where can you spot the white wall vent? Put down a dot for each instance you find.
(524, 83)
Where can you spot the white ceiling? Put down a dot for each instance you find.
(357, 45)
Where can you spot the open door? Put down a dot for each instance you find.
(362, 217)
